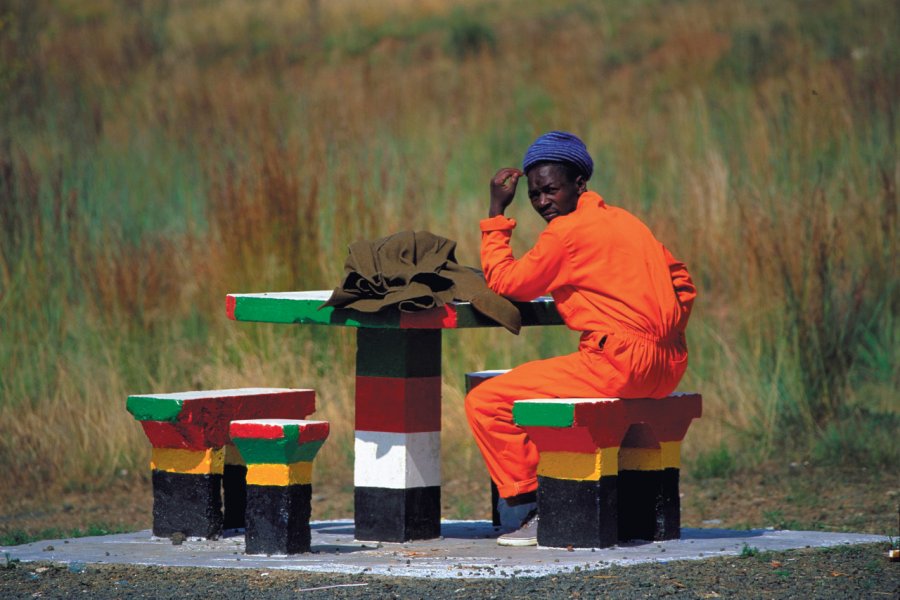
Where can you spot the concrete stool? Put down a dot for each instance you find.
(193, 458)
(279, 455)
(609, 467)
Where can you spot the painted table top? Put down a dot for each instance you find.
(303, 308)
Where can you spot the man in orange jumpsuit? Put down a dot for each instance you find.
(611, 280)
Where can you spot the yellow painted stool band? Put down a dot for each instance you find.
(639, 459)
(193, 462)
(667, 456)
(233, 456)
(579, 466)
(292, 474)
(671, 455)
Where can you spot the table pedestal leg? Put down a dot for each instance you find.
(397, 474)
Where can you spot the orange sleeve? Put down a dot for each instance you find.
(685, 290)
(540, 270)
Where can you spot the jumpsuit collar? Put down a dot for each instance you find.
(591, 199)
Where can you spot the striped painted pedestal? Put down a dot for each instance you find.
(192, 458)
(279, 455)
(397, 475)
(609, 467)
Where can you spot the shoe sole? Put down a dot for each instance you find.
(514, 542)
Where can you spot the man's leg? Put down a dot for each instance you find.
(511, 458)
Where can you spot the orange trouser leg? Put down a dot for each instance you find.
(510, 456)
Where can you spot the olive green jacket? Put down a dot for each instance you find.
(416, 270)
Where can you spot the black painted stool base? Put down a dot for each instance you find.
(187, 504)
(633, 505)
(278, 519)
(649, 506)
(397, 515)
(234, 496)
(581, 514)
(668, 507)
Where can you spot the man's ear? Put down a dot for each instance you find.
(580, 184)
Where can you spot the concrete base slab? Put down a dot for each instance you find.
(466, 549)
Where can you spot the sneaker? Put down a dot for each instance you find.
(526, 535)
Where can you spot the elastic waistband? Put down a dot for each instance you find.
(673, 337)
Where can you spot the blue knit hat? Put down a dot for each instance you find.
(560, 146)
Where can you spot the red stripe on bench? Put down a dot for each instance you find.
(443, 317)
(669, 417)
(163, 434)
(398, 405)
(214, 416)
(317, 430)
(309, 432)
(257, 431)
(203, 422)
(564, 439)
(230, 302)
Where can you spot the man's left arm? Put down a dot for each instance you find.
(684, 287)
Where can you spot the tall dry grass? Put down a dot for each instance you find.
(155, 156)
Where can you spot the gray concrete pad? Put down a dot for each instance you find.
(466, 549)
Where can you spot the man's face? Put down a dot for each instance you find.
(551, 191)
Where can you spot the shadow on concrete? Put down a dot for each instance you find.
(458, 530)
(710, 534)
(341, 527)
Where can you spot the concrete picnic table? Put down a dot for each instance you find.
(397, 475)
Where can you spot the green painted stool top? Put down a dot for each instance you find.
(278, 441)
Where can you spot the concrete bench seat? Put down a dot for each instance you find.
(194, 463)
(279, 455)
(609, 467)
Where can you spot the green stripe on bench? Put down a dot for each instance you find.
(544, 413)
(304, 308)
(146, 408)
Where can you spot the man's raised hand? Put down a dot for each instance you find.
(503, 189)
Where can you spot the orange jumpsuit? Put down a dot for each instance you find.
(613, 281)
